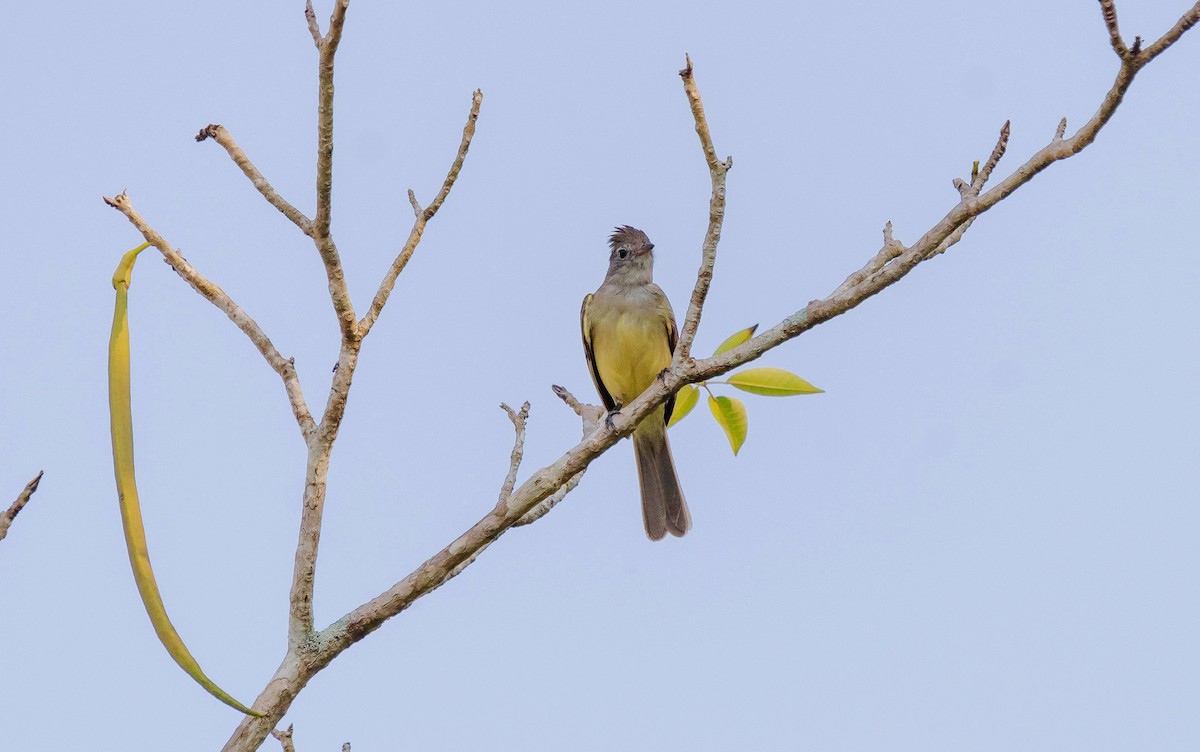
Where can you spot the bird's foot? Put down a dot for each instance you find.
(608, 419)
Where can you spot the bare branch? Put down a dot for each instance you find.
(285, 367)
(313, 29)
(1185, 22)
(518, 451)
(591, 416)
(422, 217)
(891, 249)
(285, 738)
(1109, 9)
(892, 263)
(1061, 130)
(997, 153)
(10, 514)
(222, 136)
(338, 292)
(716, 216)
(456, 166)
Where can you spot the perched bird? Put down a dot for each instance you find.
(628, 337)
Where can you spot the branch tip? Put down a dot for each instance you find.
(1109, 9)
(1061, 130)
(208, 131)
(311, 17)
(285, 738)
(10, 514)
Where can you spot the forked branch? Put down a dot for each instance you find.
(310, 650)
(211, 292)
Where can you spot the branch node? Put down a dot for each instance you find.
(1137, 46)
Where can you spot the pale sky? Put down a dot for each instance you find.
(981, 537)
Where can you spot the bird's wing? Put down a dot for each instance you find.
(586, 328)
(672, 338)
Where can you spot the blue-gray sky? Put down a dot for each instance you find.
(983, 536)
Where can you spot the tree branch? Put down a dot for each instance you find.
(1185, 22)
(311, 17)
(716, 217)
(590, 416)
(518, 419)
(327, 48)
(285, 367)
(285, 738)
(222, 136)
(888, 267)
(892, 263)
(10, 514)
(422, 218)
(1109, 9)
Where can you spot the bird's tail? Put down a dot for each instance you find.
(663, 506)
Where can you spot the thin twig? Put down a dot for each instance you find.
(10, 514)
(221, 135)
(1185, 22)
(716, 216)
(518, 419)
(285, 367)
(456, 166)
(338, 292)
(997, 153)
(285, 738)
(890, 249)
(422, 218)
(1109, 9)
(313, 29)
(590, 417)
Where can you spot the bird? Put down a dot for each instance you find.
(629, 336)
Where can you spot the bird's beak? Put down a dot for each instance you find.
(645, 249)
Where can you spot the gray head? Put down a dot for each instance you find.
(631, 260)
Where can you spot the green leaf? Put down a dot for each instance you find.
(685, 400)
(735, 339)
(730, 414)
(772, 382)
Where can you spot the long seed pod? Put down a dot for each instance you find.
(121, 413)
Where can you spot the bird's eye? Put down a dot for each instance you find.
(622, 253)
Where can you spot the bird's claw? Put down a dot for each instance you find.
(608, 419)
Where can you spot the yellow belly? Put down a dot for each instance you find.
(630, 351)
